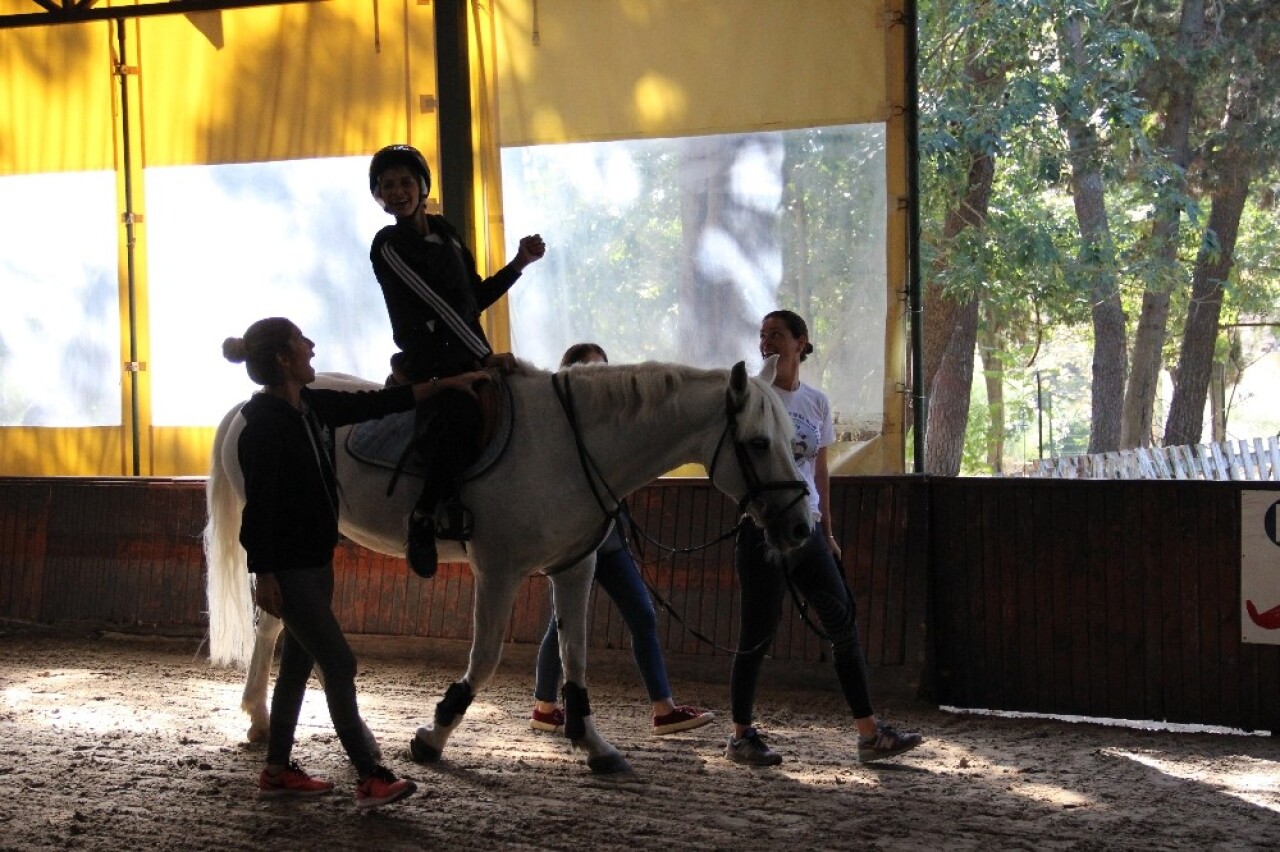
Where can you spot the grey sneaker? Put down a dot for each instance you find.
(751, 750)
(886, 743)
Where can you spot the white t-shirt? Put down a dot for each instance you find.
(811, 412)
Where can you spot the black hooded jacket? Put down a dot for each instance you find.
(290, 517)
(434, 297)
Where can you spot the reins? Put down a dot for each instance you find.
(589, 467)
(563, 388)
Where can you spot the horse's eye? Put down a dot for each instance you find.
(759, 444)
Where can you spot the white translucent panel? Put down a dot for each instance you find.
(674, 249)
(228, 245)
(60, 361)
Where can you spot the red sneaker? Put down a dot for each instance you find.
(683, 718)
(553, 721)
(290, 783)
(382, 788)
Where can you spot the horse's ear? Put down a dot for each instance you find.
(737, 396)
(769, 371)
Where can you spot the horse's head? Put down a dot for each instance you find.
(761, 473)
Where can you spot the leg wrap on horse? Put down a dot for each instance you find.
(576, 708)
(457, 698)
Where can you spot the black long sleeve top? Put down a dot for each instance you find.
(290, 517)
(434, 297)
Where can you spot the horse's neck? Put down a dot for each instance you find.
(634, 451)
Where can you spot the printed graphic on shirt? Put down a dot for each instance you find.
(804, 447)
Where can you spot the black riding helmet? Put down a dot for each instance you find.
(399, 155)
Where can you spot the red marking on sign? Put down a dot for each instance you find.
(1269, 620)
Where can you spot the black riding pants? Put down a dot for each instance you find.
(448, 429)
(762, 581)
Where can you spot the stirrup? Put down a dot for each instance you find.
(454, 521)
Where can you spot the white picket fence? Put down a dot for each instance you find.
(1258, 460)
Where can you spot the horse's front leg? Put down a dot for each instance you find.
(491, 611)
(258, 676)
(571, 591)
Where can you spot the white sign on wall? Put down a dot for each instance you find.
(1260, 566)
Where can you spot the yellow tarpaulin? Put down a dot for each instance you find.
(344, 77)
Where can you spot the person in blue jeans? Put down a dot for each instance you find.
(618, 574)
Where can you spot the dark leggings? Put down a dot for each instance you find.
(313, 637)
(448, 426)
(763, 585)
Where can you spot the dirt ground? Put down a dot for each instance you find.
(109, 741)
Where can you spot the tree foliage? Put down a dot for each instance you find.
(1091, 196)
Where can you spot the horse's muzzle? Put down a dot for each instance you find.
(785, 530)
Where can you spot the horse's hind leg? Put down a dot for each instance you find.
(571, 590)
(494, 598)
(258, 677)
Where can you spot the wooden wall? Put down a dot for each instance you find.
(1111, 599)
(127, 552)
(1116, 599)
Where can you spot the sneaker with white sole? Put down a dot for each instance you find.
(684, 718)
(382, 788)
(751, 750)
(293, 782)
(886, 743)
(552, 722)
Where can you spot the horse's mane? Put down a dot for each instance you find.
(610, 390)
(633, 390)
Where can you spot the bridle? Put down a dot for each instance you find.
(755, 487)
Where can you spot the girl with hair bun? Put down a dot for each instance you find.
(813, 570)
(289, 528)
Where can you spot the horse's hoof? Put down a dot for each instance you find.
(259, 734)
(423, 753)
(608, 764)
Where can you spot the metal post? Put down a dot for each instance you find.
(453, 79)
(914, 295)
(122, 72)
(1039, 415)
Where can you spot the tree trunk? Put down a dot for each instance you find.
(1097, 256)
(993, 374)
(1233, 168)
(950, 331)
(1148, 342)
(718, 322)
(949, 400)
(940, 309)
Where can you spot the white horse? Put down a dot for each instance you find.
(579, 439)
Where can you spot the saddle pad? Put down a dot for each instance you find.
(383, 442)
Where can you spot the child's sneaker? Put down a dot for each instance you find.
(291, 782)
(552, 722)
(382, 788)
(683, 718)
(886, 743)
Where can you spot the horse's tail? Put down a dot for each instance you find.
(228, 590)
